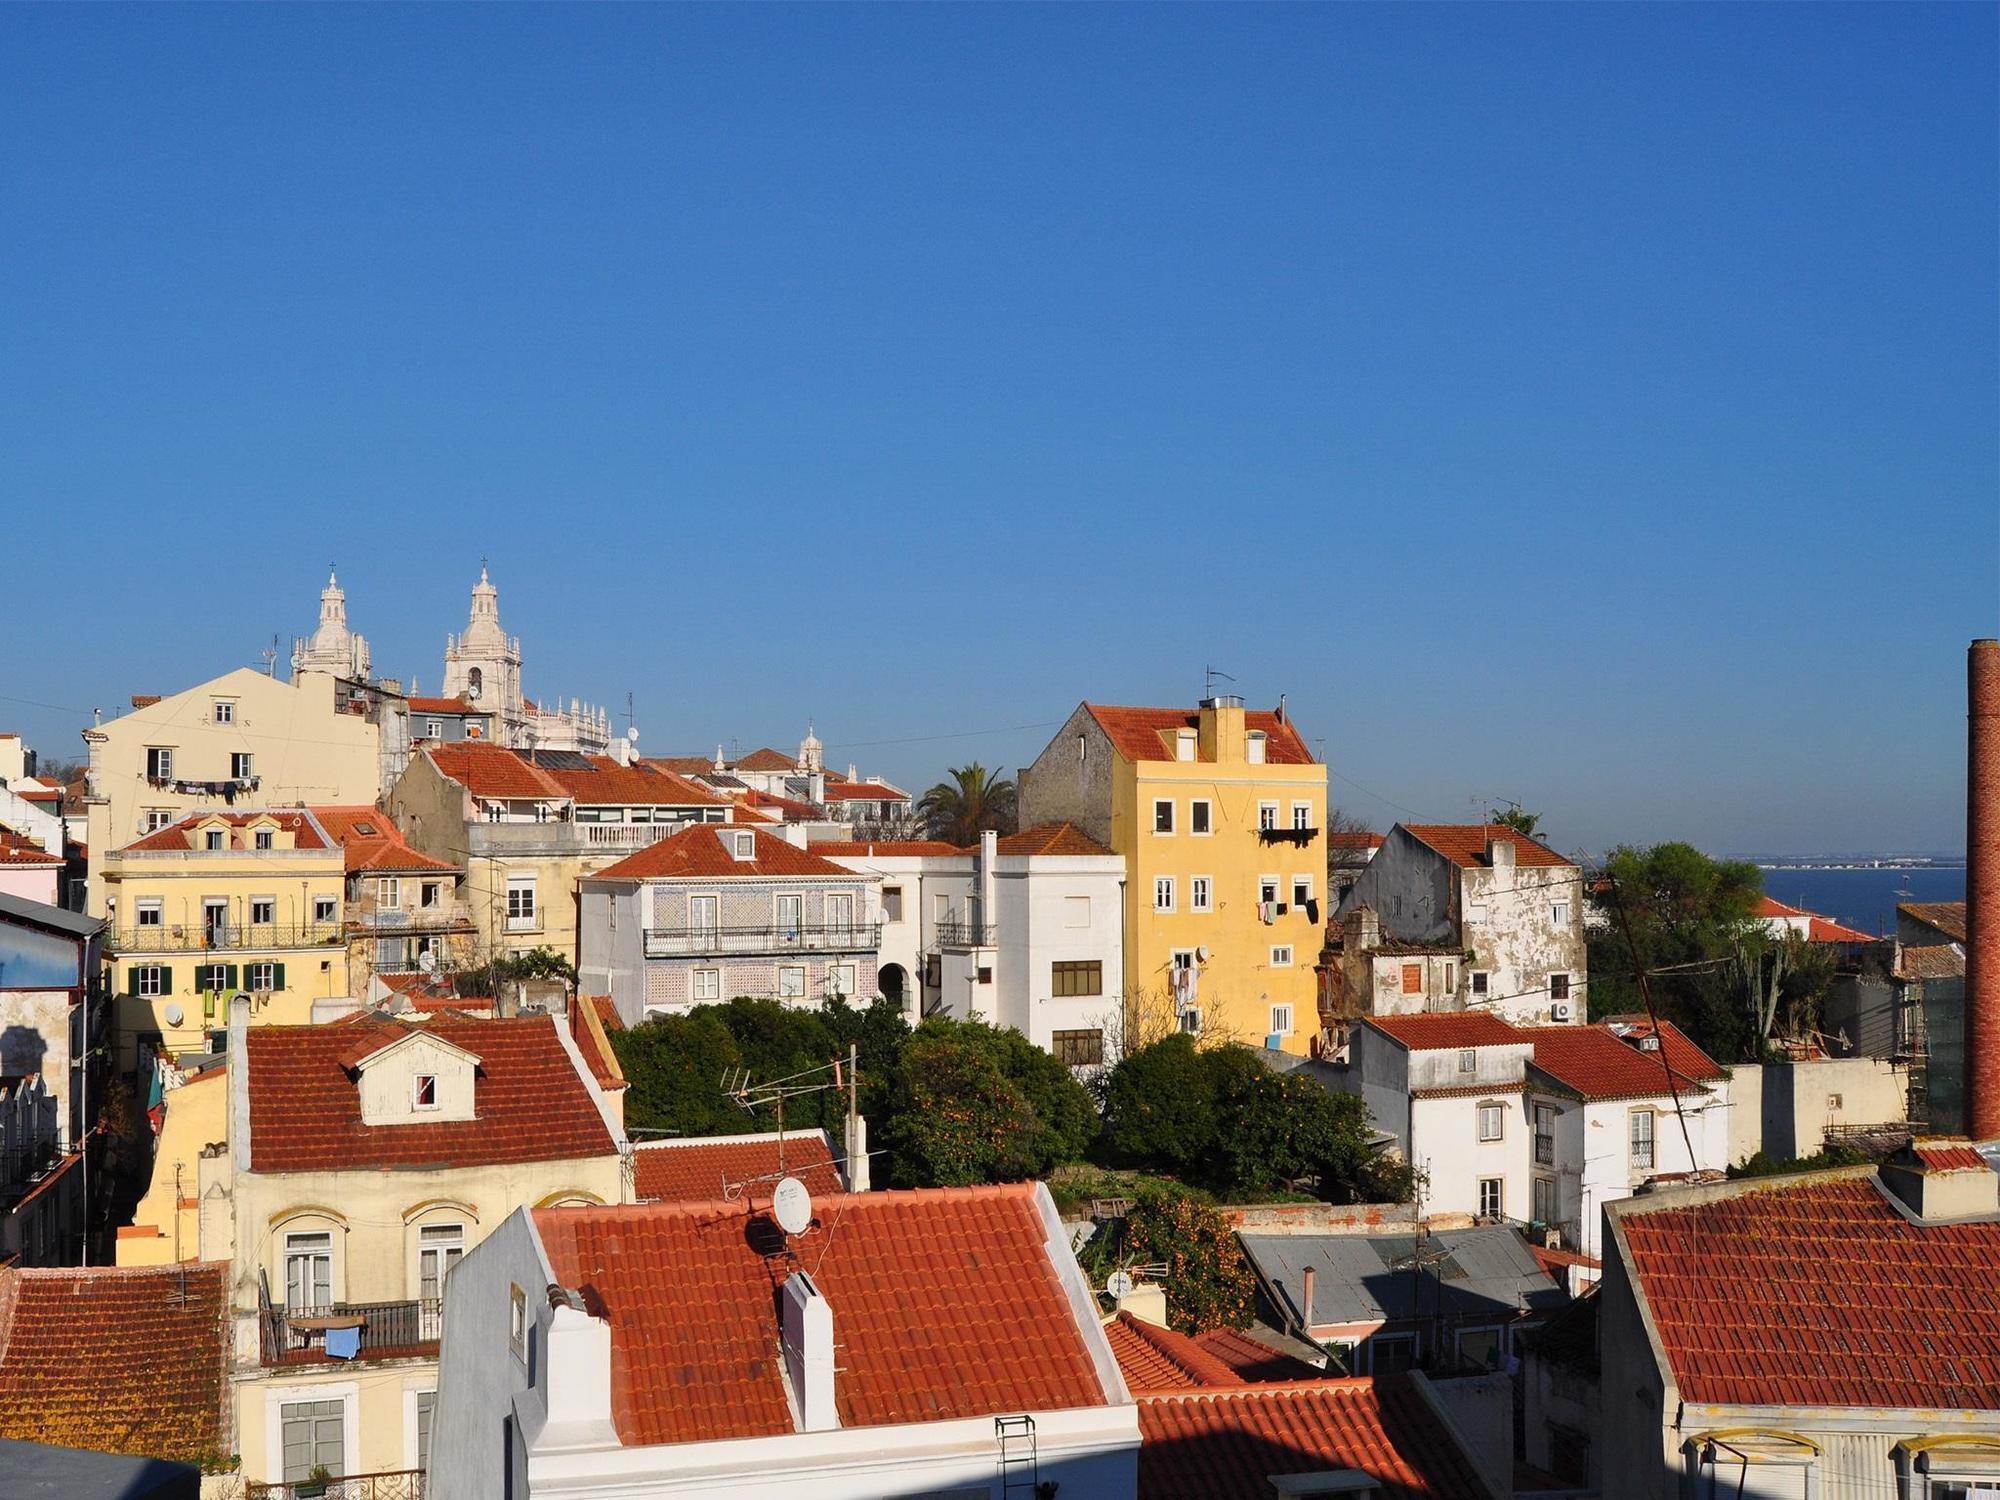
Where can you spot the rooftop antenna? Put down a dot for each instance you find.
(630, 722)
(1208, 677)
(750, 1097)
(270, 655)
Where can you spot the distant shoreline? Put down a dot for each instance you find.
(1860, 864)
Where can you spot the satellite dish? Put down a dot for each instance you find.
(174, 1014)
(1118, 1286)
(632, 734)
(427, 961)
(792, 1206)
(1201, 955)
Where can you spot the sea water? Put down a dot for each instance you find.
(1865, 898)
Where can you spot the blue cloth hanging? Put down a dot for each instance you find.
(343, 1343)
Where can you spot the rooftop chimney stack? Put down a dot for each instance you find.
(808, 1332)
(1982, 892)
(1500, 852)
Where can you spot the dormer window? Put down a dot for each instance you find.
(1256, 747)
(744, 845)
(265, 838)
(215, 838)
(424, 1095)
(1184, 744)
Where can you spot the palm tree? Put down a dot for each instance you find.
(959, 810)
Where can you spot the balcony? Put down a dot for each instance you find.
(967, 934)
(368, 920)
(704, 942)
(381, 1330)
(1545, 1151)
(229, 937)
(1299, 836)
(392, 1484)
(518, 840)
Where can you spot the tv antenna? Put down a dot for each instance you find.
(1208, 680)
(750, 1097)
(630, 722)
(270, 655)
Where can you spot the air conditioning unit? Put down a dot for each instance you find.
(1563, 1010)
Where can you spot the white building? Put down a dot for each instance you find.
(1512, 903)
(934, 1343)
(923, 883)
(1541, 1125)
(482, 664)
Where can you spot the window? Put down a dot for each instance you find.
(1490, 1196)
(239, 766)
(840, 912)
(1184, 744)
(261, 978)
(1256, 747)
(148, 911)
(315, 1434)
(208, 977)
(1642, 1138)
(434, 729)
(426, 1412)
(704, 916)
(1468, 1061)
(1302, 889)
(159, 764)
(1267, 891)
(215, 838)
(1281, 955)
(149, 979)
(1545, 1137)
(1200, 817)
(325, 908)
(1559, 913)
(1076, 911)
(707, 984)
(517, 1323)
(1200, 888)
(892, 903)
(158, 818)
(225, 711)
(1070, 979)
(940, 909)
(1191, 1021)
(1281, 1020)
(424, 1095)
(520, 903)
(1492, 1121)
(1078, 1049)
(1391, 1354)
(792, 982)
(985, 974)
(1163, 893)
(1413, 979)
(309, 1269)
(1450, 978)
(791, 917)
(389, 891)
(1545, 1200)
(1267, 815)
(1479, 979)
(1183, 958)
(439, 1248)
(840, 979)
(266, 839)
(430, 893)
(1163, 816)
(263, 910)
(1302, 815)
(1480, 1347)
(1559, 986)
(745, 845)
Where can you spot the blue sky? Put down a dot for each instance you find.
(1591, 407)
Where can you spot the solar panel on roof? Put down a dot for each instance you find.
(557, 760)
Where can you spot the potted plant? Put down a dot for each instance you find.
(313, 1486)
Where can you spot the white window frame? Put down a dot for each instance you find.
(523, 915)
(1650, 1158)
(1205, 817)
(1163, 805)
(1468, 1060)
(517, 1323)
(1498, 1205)
(1281, 955)
(1561, 982)
(892, 903)
(1497, 1113)
(388, 891)
(157, 818)
(743, 846)
(1201, 893)
(430, 893)
(1267, 816)
(843, 979)
(264, 840)
(1256, 747)
(1302, 889)
(320, 1250)
(326, 909)
(434, 729)
(1559, 913)
(241, 765)
(277, 1398)
(145, 975)
(787, 989)
(265, 970)
(1482, 983)
(705, 985)
(214, 840)
(263, 911)
(1302, 815)
(1163, 893)
(149, 911)
(225, 710)
(1187, 744)
(417, 1082)
(159, 763)
(1281, 1020)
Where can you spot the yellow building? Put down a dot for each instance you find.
(1220, 815)
(217, 903)
(242, 736)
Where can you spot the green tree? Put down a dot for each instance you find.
(953, 1119)
(673, 1070)
(1517, 818)
(1207, 1283)
(1159, 1109)
(973, 801)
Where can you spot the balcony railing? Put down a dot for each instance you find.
(387, 921)
(392, 1484)
(695, 942)
(382, 1330)
(1545, 1151)
(195, 937)
(967, 934)
(566, 837)
(1298, 836)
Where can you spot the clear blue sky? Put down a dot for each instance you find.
(1592, 407)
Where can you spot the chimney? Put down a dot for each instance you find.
(808, 1331)
(1499, 852)
(1220, 729)
(1942, 1181)
(1982, 892)
(576, 1362)
(1361, 929)
(1306, 1316)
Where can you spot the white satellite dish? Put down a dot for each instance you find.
(174, 1014)
(1118, 1285)
(1201, 955)
(792, 1206)
(427, 961)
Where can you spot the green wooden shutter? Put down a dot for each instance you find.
(277, 977)
(229, 982)
(166, 980)
(132, 980)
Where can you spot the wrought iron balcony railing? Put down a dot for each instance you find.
(699, 942)
(967, 934)
(370, 1330)
(391, 1484)
(239, 937)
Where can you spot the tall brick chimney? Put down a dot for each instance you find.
(1982, 892)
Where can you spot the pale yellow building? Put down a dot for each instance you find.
(242, 736)
(218, 903)
(405, 911)
(1220, 815)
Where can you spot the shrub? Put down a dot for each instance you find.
(1207, 1283)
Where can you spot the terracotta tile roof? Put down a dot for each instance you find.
(679, 765)
(305, 835)
(1464, 844)
(766, 759)
(1354, 841)
(305, 1106)
(1253, 1360)
(694, 1335)
(1147, 733)
(1934, 961)
(1153, 1358)
(1225, 1443)
(488, 770)
(442, 706)
(694, 1171)
(1439, 1030)
(1826, 930)
(608, 783)
(1594, 1062)
(372, 841)
(1948, 917)
(863, 791)
(607, 1012)
(1767, 907)
(597, 1055)
(1470, 1091)
(706, 853)
(886, 849)
(16, 850)
(1051, 839)
(123, 1360)
(1819, 1293)
(1948, 1156)
(789, 809)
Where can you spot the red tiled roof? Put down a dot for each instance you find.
(1438, 1030)
(694, 1335)
(706, 852)
(1767, 907)
(1354, 841)
(1948, 1156)
(372, 841)
(175, 835)
(1225, 1443)
(1153, 1358)
(679, 765)
(39, 793)
(16, 850)
(1464, 844)
(1253, 1360)
(1596, 1063)
(793, 810)
(1147, 733)
(123, 1360)
(1933, 961)
(442, 706)
(1948, 917)
(488, 770)
(1819, 1293)
(305, 1106)
(695, 1171)
(766, 759)
(607, 782)
(863, 791)
(607, 1012)
(601, 1060)
(1826, 930)
(886, 849)
(1050, 839)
